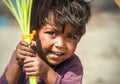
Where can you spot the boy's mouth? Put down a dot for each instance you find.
(56, 53)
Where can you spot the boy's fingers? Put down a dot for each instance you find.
(33, 43)
(24, 43)
(32, 73)
(28, 60)
(23, 49)
(33, 46)
(20, 60)
(24, 53)
(26, 47)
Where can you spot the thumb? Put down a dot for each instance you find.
(33, 46)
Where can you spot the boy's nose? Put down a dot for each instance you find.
(60, 42)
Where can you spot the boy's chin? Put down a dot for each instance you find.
(53, 63)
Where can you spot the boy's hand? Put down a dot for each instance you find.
(35, 66)
(31, 62)
(23, 50)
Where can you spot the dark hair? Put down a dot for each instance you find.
(75, 12)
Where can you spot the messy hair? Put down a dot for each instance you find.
(74, 12)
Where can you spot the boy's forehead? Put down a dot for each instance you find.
(50, 19)
(55, 26)
(60, 27)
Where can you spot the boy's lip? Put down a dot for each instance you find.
(55, 54)
(59, 53)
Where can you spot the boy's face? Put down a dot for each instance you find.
(57, 44)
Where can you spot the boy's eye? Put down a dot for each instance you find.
(72, 37)
(51, 33)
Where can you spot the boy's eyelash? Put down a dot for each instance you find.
(69, 36)
(72, 37)
(50, 32)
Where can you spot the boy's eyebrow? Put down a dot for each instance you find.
(75, 32)
(51, 27)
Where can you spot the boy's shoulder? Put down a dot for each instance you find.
(74, 60)
(72, 64)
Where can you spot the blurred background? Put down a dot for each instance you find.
(99, 48)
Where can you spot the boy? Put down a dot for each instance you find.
(60, 25)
